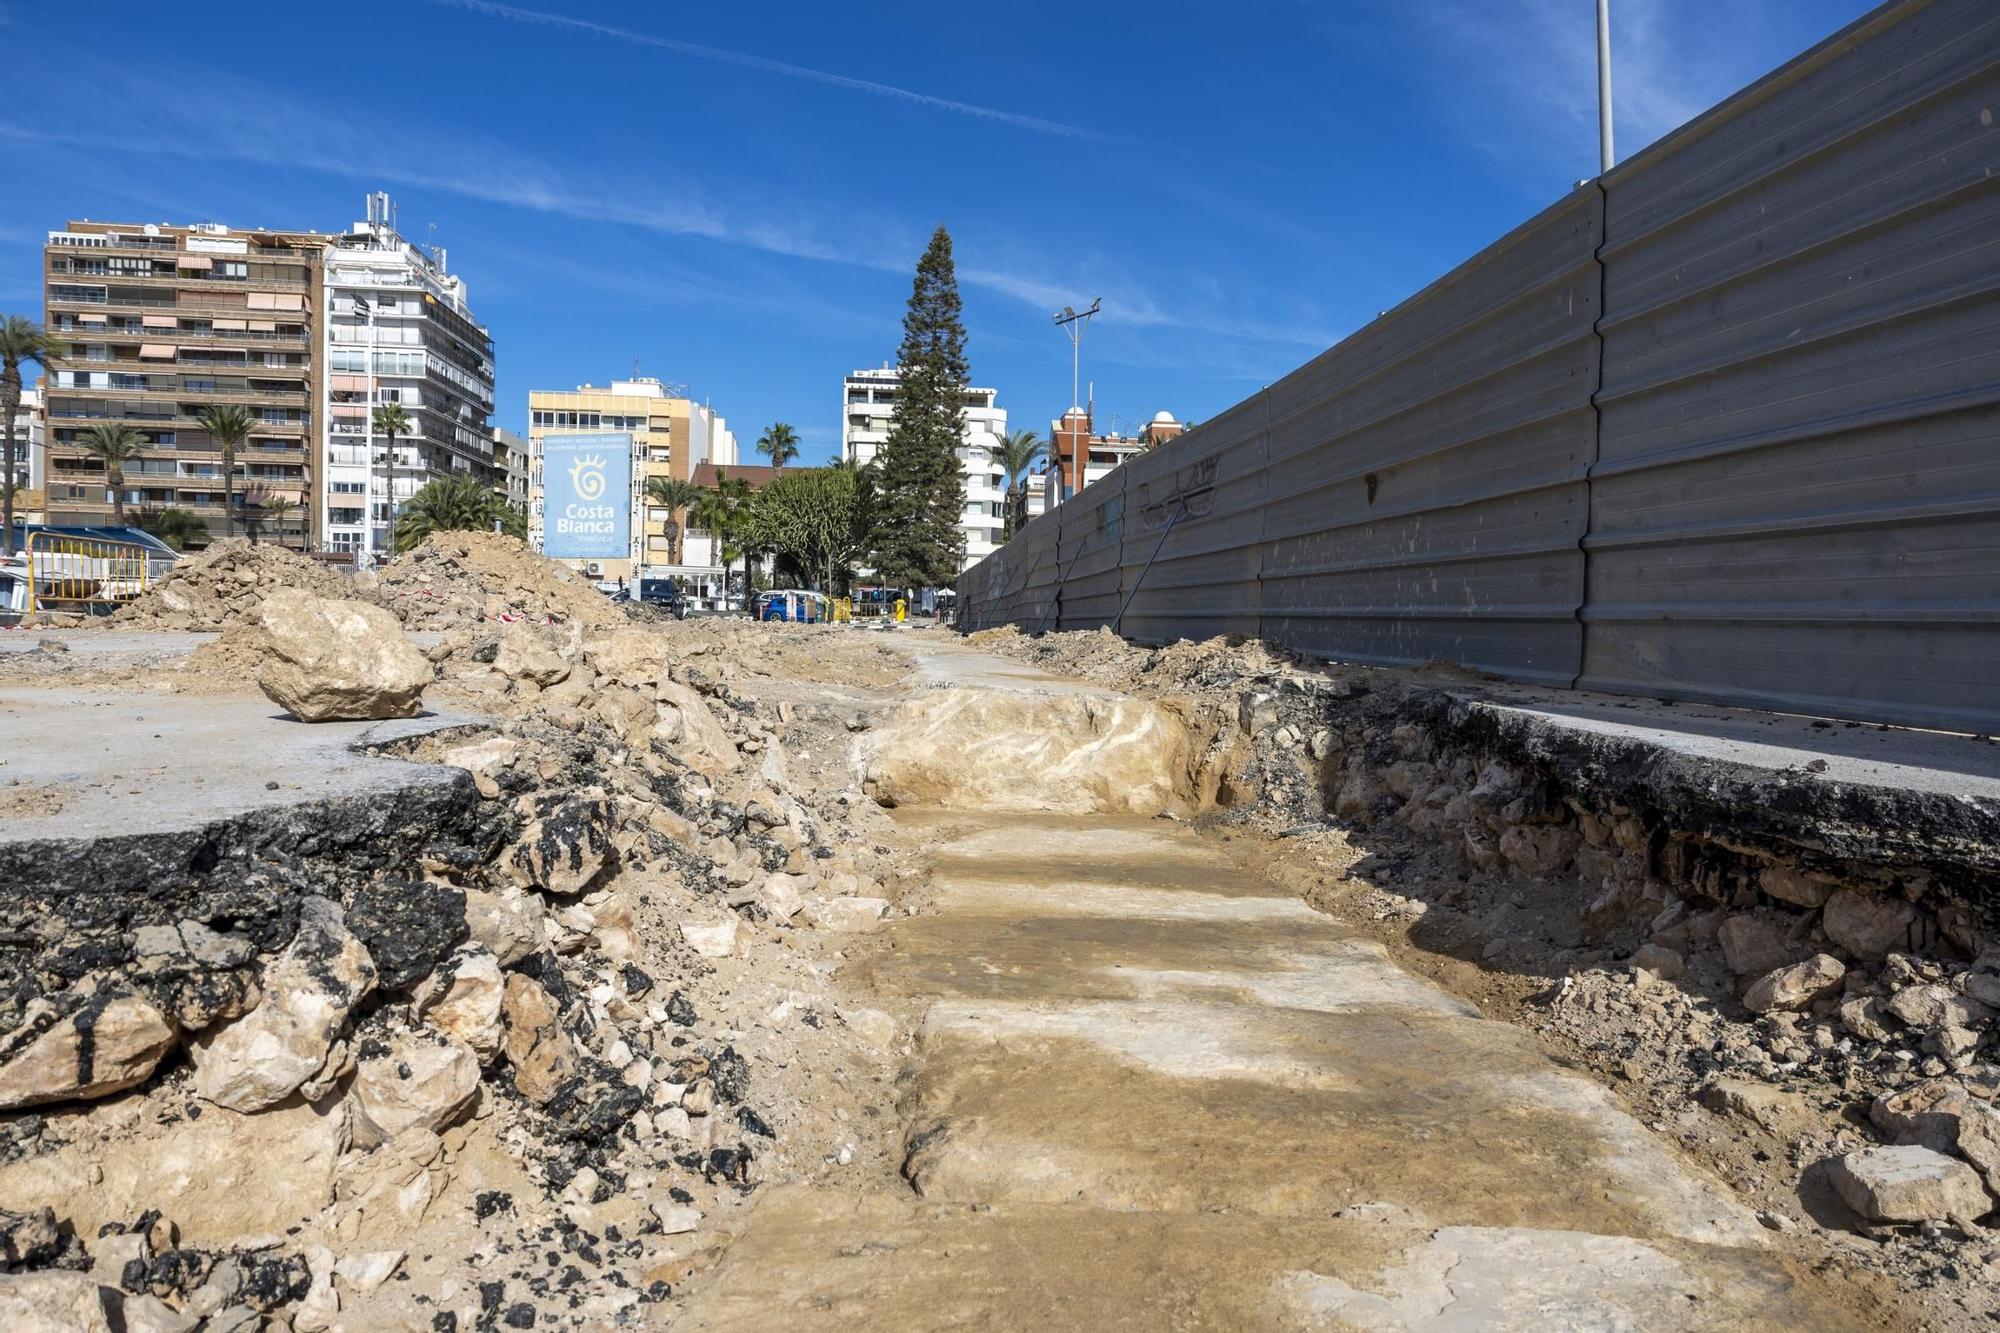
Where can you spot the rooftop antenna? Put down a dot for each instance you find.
(635, 367)
(1072, 322)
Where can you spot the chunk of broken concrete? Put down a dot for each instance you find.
(112, 1041)
(541, 1052)
(1908, 1183)
(417, 1084)
(329, 660)
(1795, 985)
(308, 994)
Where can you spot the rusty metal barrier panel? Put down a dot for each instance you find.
(1796, 502)
(1427, 496)
(84, 575)
(1194, 523)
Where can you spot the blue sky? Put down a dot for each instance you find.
(735, 195)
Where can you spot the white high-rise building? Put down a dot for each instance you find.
(868, 409)
(398, 330)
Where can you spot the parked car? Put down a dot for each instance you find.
(665, 594)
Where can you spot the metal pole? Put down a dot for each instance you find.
(1120, 619)
(1605, 157)
(368, 446)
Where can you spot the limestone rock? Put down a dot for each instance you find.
(417, 1084)
(329, 660)
(464, 1000)
(113, 1041)
(485, 760)
(1942, 1115)
(56, 1302)
(692, 732)
(1539, 849)
(849, 913)
(1754, 943)
(1794, 886)
(1662, 962)
(1868, 925)
(1759, 1103)
(508, 923)
(712, 940)
(284, 1042)
(29, 1238)
(1795, 985)
(1908, 1183)
(222, 1176)
(523, 655)
(541, 1052)
(782, 895)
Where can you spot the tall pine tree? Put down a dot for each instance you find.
(918, 542)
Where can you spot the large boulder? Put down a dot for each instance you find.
(1908, 1183)
(328, 660)
(566, 845)
(1795, 985)
(282, 1044)
(112, 1041)
(687, 727)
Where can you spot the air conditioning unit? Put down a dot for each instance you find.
(593, 568)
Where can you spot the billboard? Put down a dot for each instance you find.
(587, 496)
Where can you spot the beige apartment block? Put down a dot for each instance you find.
(161, 322)
(671, 436)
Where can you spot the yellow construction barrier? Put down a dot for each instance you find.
(84, 575)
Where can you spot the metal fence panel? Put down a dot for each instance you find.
(1797, 502)
(1723, 425)
(1194, 523)
(1433, 502)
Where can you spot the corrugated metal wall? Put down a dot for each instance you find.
(1723, 425)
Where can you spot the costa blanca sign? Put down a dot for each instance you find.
(587, 496)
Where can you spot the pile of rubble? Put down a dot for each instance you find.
(226, 585)
(515, 1050)
(455, 579)
(1723, 942)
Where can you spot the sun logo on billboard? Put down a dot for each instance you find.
(586, 476)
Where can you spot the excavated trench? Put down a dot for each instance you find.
(1150, 1089)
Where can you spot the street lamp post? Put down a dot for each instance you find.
(1072, 322)
(1605, 156)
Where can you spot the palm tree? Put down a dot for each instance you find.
(720, 511)
(21, 341)
(675, 494)
(277, 508)
(391, 420)
(228, 427)
(175, 527)
(1015, 454)
(117, 444)
(780, 441)
(456, 504)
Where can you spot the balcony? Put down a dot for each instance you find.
(235, 304)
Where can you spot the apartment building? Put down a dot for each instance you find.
(398, 329)
(30, 457)
(1078, 455)
(161, 322)
(510, 468)
(868, 410)
(664, 433)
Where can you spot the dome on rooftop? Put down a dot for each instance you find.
(1164, 418)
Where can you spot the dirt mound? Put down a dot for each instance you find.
(226, 585)
(456, 579)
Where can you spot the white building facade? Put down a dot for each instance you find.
(398, 329)
(868, 410)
